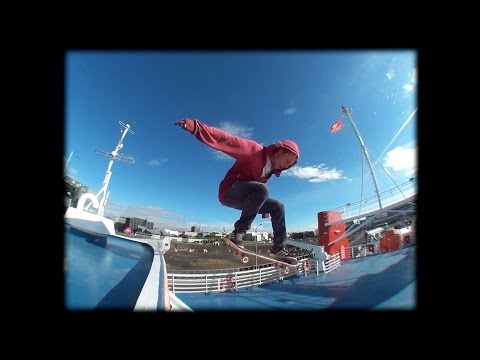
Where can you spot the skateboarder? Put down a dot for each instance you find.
(243, 186)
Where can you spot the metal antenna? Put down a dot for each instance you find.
(113, 156)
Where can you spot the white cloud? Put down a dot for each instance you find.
(157, 162)
(160, 217)
(402, 159)
(218, 155)
(213, 227)
(238, 130)
(410, 86)
(311, 226)
(315, 173)
(390, 74)
(72, 172)
(234, 129)
(413, 76)
(289, 111)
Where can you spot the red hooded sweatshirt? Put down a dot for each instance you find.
(250, 156)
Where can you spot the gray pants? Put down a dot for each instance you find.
(251, 197)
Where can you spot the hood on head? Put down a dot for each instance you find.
(290, 146)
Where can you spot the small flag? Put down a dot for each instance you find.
(337, 125)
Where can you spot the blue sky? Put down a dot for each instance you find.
(265, 96)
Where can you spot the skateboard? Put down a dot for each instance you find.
(286, 264)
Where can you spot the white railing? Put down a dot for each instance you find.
(231, 270)
(373, 248)
(332, 263)
(187, 282)
(388, 197)
(363, 250)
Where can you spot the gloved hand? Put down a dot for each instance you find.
(186, 124)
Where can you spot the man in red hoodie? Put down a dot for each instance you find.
(243, 186)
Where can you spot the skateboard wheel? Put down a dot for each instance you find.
(286, 269)
(245, 259)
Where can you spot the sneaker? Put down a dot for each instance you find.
(236, 238)
(282, 254)
(279, 252)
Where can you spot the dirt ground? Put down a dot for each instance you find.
(194, 257)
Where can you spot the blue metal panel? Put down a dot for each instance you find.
(103, 272)
(385, 281)
(110, 272)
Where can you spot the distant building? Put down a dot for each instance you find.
(189, 233)
(196, 229)
(256, 236)
(303, 235)
(134, 223)
(121, 220)
(170, 232)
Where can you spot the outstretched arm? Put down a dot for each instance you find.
(219, 139)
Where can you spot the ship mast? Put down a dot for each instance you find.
(113, 156)
(347, 114)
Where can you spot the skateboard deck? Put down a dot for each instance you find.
(286, 264)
